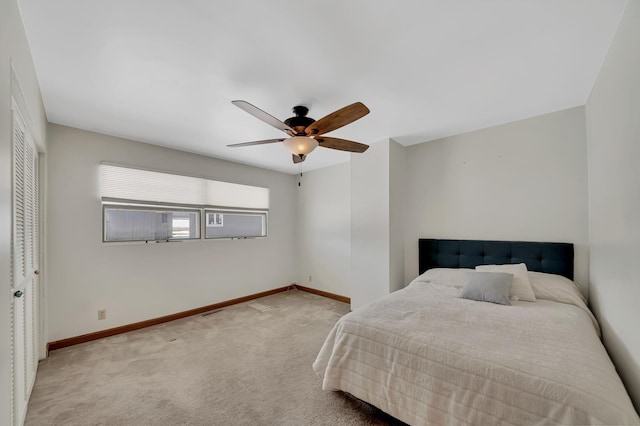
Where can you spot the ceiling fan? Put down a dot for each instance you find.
(305, 133)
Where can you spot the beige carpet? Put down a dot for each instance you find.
(248, 364)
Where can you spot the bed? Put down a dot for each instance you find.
(425, 355)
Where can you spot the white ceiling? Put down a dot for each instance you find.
(165, 72)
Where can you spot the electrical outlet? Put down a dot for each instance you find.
(310, 278)
(102, 314)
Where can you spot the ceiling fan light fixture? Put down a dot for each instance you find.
(300, 145)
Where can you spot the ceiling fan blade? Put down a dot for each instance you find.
(337, 119)
(341, 144)
(298, 158)
(257, 142)
(261, 115)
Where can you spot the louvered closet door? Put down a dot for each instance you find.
(24, 269)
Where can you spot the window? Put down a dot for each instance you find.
(143, 205)
(139, 223)
(215, 219)
(235, 224)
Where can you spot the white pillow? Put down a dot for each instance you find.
(520, 287)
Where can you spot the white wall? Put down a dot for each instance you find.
(143, 281)
(324, 229)
(377, 222)
(14, 49)
(370, 224)
(613, 134)
(525, 180)
(397, 204)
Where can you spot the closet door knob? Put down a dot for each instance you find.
(18, 293)
(37, 272)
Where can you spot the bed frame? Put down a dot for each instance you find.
(553, 258)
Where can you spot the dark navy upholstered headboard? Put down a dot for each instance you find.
(553, 258)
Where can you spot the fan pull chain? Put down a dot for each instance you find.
(299, 176)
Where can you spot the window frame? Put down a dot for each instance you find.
(248, 212)
(201, 212)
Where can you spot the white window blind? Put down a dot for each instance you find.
(235, 195)
(125, 183)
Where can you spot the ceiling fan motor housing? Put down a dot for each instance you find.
(300, 121)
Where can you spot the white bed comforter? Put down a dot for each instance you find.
(426, 356)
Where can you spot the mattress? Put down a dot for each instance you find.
(426, 356)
